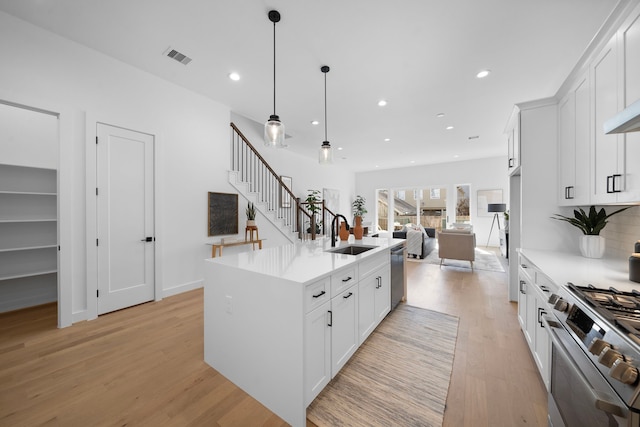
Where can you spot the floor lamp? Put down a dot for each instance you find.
(496, 208)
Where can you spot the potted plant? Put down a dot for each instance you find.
(359, 210)
(251, 215)
(591, 243)
(313, 198)
(506, 220)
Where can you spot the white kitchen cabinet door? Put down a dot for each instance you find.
(542, 342)
(383, 294)
(607, 176)
(344, 328)
(513, 142)
(567, 149)
(582, 183)
(366, 306)
(317, 351)
(630, 45)
(522, 304)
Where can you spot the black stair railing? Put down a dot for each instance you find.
(253, 169)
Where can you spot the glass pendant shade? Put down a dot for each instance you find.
(274, 132)
(325, 156)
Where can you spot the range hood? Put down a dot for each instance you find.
(627, 120)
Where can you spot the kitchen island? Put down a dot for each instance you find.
(281, 322)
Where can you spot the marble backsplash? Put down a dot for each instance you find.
(622, 231)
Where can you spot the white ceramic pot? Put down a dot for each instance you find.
(251, 223)
(592, 246)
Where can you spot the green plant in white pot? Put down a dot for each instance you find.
(592, 245)
(251, 215)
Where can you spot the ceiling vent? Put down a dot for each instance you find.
(180, 57)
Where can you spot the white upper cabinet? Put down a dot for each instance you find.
(513, 141)
(573, 145)
(607, 171)
(629, 39)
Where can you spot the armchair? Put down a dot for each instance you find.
(456, 245)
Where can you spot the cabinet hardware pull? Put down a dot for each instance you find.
(320, 294)
(511, 162)
(544, 288)
(522, 282)
(568, 193)
(348, 295)
(609, 178)
(347, 279)
(330, 318)
(540, 313)
(613, 179)
(524, 266)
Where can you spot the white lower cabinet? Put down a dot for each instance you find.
(344, 328)
(317, 348)
(374, 300)
(535, 289)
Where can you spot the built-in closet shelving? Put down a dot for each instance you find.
(28, 236)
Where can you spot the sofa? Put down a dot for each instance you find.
(420, 241)
(457, 244)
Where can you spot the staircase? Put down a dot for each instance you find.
(254, 179)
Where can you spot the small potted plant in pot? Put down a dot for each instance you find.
(359, 210)
(592, 245)
(313, 198)
(251, 215)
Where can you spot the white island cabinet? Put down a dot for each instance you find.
(281, 322)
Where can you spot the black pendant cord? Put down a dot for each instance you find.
(274, 68)
(325, 106)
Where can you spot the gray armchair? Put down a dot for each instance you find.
(454, 244)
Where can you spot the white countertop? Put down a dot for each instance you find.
(304, 261)
(562, 267)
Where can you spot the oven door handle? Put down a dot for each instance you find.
(600, 400)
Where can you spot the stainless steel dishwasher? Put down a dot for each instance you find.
(397, 275)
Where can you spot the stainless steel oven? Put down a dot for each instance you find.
(594, 362)
(579, 396)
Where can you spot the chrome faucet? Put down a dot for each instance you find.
(334, 228)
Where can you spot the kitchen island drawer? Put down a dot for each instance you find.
(316, 294)
(343, 279)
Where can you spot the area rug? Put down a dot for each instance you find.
(398, 377)
(485, 260)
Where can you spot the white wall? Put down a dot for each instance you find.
(482, 174)
(192, 149)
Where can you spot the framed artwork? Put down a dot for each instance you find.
(285, 197)
(332, 200)
(485, 197)
(223, 214)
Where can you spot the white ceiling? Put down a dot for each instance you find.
(420, 55)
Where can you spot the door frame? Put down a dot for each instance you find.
(92, 121)
(65, 198)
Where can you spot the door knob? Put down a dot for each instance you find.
(147, 239)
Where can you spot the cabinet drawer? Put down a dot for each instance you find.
(316, 294)
(368, 266)
(545, 284)
(342, 280)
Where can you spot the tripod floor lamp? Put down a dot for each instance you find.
(496, 208)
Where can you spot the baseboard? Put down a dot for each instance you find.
(79, 316)
(182, 288)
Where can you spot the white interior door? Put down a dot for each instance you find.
(125, 221)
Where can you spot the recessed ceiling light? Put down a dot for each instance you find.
(482, 74)
(449, 127)
(387, 139)
(455, 156)
(382, 103)
(234, 76)
(440, 115)
(339, 148)
(315, 122)
(412, 161)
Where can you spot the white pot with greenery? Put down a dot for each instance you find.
(592, 245)
(251, 215)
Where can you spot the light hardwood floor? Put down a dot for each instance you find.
(144, 365)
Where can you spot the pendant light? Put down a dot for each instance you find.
(325, 156)
(274, 128)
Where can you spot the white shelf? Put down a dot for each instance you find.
(27, 248)
(33, 274)
(17, 220)
(28, 193)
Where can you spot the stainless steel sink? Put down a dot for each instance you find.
(351, 249)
